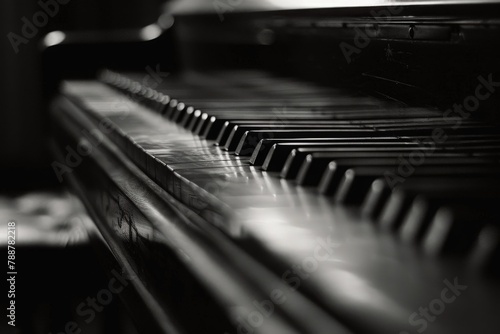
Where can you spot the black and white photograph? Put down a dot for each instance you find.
(250, 166)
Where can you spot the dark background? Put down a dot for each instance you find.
(53, 277)
(24, 157)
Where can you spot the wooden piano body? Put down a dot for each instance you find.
(223, 246)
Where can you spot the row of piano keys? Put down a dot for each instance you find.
(344, 144)
(430, 180)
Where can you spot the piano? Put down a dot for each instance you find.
(290, 166)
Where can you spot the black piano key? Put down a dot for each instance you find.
(394, 210)
(459, 219)
(264, 146)
(224, 134)
(313, 167)
(275, 161)
(260, 156)
(215, 123)
(356, 182)
(187, 116)
(291, 165)
(367, 175)
(375, 200)
(485, 256)
(251, 138)
(163, 102)
(453, 230)
(330, 178)
(170, 109)
(337, 166)
(239, 138)
(294, 162)
(380, 190)
(242, 140)
(353, 187)
(194, 119)
(427, 181)
(178, 112)
(229, 126)
(202, 124)
(362, 113)
(417, 219)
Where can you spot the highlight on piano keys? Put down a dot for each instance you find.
(251, 166)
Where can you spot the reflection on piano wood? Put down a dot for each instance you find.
(251, 202)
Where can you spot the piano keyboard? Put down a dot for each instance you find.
(367, 206)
